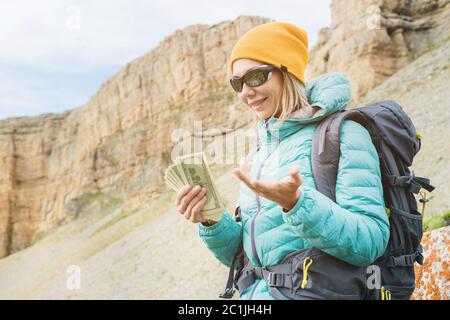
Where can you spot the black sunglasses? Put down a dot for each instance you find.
(253, 78)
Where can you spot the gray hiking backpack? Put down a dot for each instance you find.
(397, 142)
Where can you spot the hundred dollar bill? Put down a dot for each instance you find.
(173, 185)
(194, 170)
(171, 177)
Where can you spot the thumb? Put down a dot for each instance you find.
(294, 173)
(245, 166)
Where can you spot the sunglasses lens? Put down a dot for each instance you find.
(255, 78)
(236, 84)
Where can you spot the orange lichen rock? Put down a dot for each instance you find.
(433, 278)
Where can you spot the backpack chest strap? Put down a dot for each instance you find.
(275, 276)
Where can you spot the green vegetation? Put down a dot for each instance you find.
(104, 152)
(447, 216)
(19, 206)
(436, 221)
(106, 202)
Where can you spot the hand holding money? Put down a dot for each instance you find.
(190, 201)
(193, 170)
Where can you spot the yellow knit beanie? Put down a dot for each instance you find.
(280, 44)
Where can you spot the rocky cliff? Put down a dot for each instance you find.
(118, 143)
(370, 40)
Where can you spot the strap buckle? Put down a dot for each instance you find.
(275, 279)
(419, 258)
(259, 272)
(399, 181)
(411, 182)
(408, 259)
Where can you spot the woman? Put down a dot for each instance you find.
(281, 210)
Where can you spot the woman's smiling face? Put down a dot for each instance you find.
(263, 99)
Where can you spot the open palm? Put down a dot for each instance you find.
(285, 192)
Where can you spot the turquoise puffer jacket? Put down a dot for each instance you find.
(355, 229)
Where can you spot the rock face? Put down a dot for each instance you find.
(119, 142)
(370, 40)
(433, 278)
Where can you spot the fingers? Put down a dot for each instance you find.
(244, 178)
(294, 170)
(193, 202)
(245, 166)
(183, 191)
(190, 202)
(294, 173)
(255, 185)
(243, 172)
(195, 215)
(186, 199)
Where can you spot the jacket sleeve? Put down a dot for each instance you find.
(355, 228)
(223, 238)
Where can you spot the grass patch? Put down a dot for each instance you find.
(106, 202)
(104, 152)
(103, 203)
(19, 206)
(436, 221)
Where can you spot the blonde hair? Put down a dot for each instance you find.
(293, 98)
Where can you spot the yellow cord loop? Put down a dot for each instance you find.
(306, 264)
(385, 294)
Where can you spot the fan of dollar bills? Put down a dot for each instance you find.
(194, 170)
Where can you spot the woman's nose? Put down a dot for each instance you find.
(247, 91)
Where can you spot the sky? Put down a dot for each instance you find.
(55, 54)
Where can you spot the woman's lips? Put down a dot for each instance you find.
(257, 104)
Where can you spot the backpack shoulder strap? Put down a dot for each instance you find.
(326, 150)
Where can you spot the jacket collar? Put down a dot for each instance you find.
(327, 94)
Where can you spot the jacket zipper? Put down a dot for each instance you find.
(258, 201)
(252, 223)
